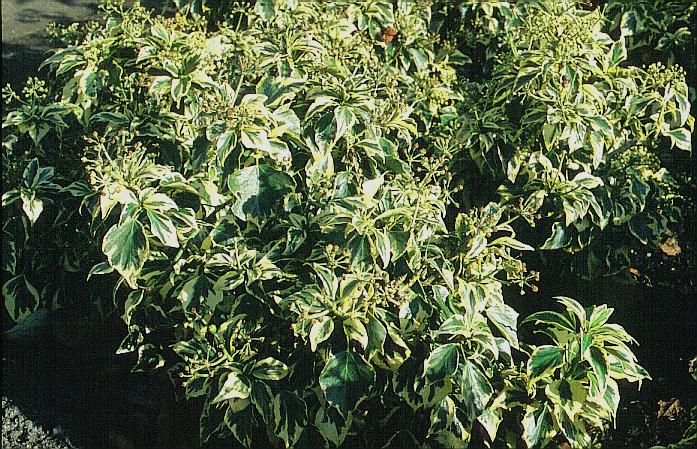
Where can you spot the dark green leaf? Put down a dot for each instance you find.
(560, 237)
(234, 387)
(264, 9)
(505, 318)
(199, 293)
(21, 298)
(321, 331)
(346, 381)
(270, 369)
(290, 413)
(544, 360)
(345, 119)
(259, 189)
(538, 425)
(262, 398)
(599, 364)
(476, 390)
(441, 363)
(163, 228)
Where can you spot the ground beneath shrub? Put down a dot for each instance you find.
(21, 432)
(64, 383)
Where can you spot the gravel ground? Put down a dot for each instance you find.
(20, 432)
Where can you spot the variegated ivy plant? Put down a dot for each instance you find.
(575, 132)
(284, 200)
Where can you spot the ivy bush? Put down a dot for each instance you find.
(311, 213)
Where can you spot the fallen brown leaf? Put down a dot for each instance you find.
(388, 35)
(669, 409)
(670, 247)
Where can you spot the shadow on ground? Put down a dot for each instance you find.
(20, 61)
(67, 379)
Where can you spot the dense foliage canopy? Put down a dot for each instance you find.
(312, 213)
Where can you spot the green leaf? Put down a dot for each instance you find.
(346, 380)
(355, 330)
(159, 202)
(641, 227)
(199, 293)
(538, 425)
(21, 298)
(419, 57)
(680, 138)
(403, 439)
(601, 124)
(345, 119)
(629, 23)
(611, 397)
(492, 416)
(442, 415)
(382, 241)
(512, 243)
(398, 243)
(560, 237)
(682, 99)
(544, 360)
(618, 53)
(574, 430)
(262, 398)
(376, 337)
(234, 387)
(321, 331)
(279, 151)
(441, 363)
(570, 395)
(224, 145)
(360, 249)
(259, 190)
(159, 31)
(133, 299)
(551, 319)
(599, 316)
(573, 307)
(196, 386)
(476, 390)
(149, 358)
(163, 228)
(598, 144)
(242, 424)
(9, 253)
(270, 369)
(254, 139)
(126, 249)
(332, 425)
(211, 421)
(161, 85)
(550, 134)
(264, 9)
(290, 414)
(179, 89)
(505, 318)
(371, 186)
(600, 367)
(526, 75)
(478, 245)
(455, 325)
